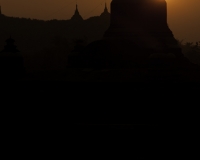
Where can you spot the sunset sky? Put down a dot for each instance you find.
(183, 15)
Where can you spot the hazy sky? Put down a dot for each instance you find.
(183, 15)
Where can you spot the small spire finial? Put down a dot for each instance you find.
(76, 5)
(76, 14)
(105, 9)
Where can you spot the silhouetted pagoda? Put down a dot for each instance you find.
(10, 46)
(138, 35)
(11, 62)
(77, 56)
(76, 17)
(139, 29)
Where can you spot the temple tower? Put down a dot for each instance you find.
(138, 28)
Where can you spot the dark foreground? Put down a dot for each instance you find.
(117, 98)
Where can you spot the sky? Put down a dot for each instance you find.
(183, 15)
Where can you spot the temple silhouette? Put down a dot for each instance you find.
(134, 34)
(139, 28)
(132, 44)
(11, 61)
(138, 35)
(10, 46)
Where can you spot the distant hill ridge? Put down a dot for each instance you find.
(76, 17)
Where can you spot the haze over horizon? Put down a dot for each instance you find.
(183, 15)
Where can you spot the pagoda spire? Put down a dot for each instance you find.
(76, 6)
(76, 16)
(106, 8)
(76, 11)
(105, 13)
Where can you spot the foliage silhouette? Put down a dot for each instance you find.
(191, 50)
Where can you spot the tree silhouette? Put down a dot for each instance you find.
(191, 50)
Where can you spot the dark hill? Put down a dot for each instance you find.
(45, 45)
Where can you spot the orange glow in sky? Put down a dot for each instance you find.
(183, 15)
